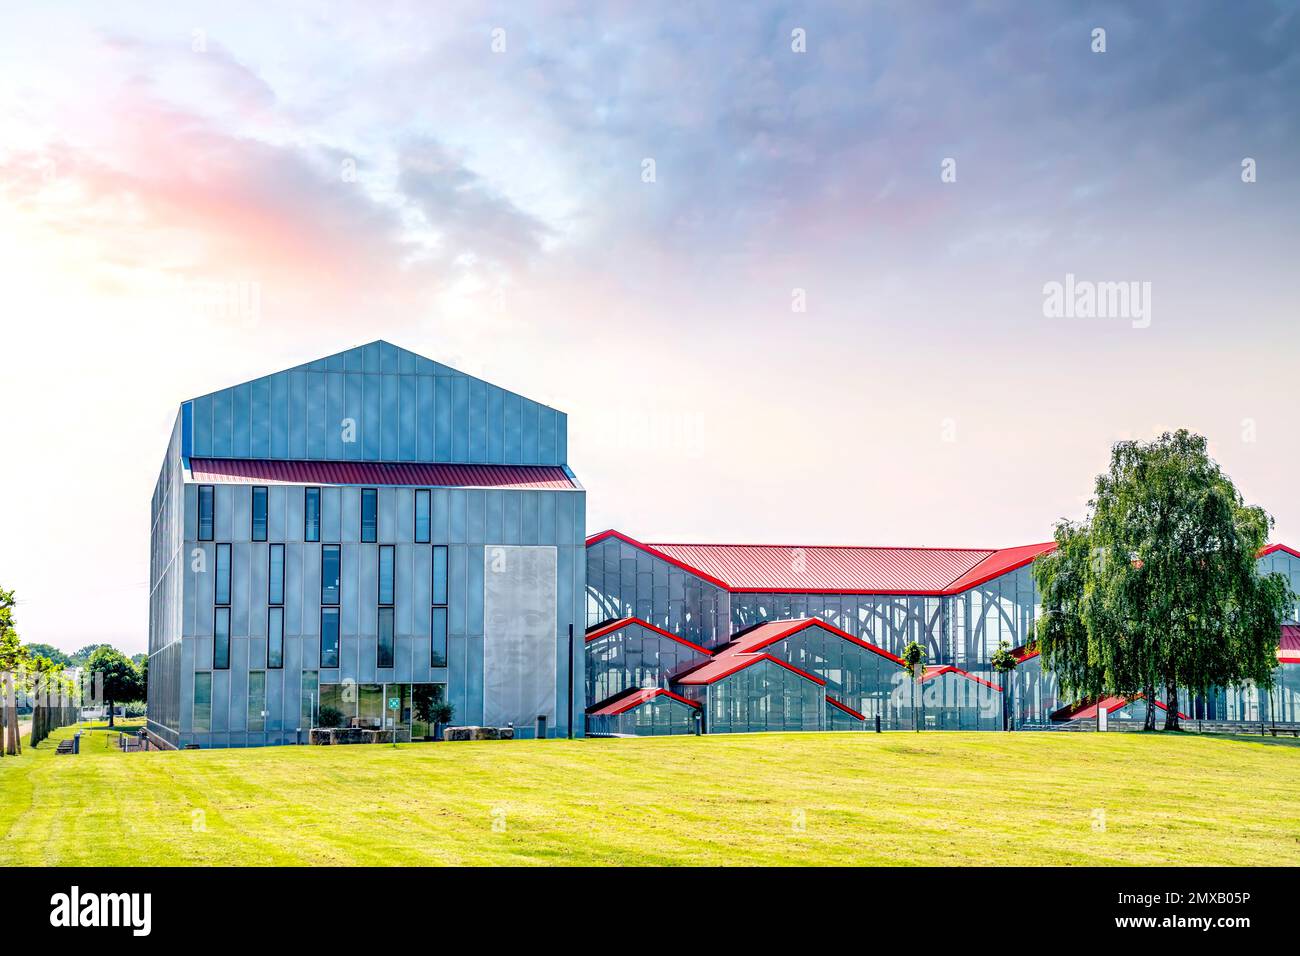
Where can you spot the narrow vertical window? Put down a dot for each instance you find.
(422, 516)
(311, 514)
(385, 657)
(329, 637)
(275, 575)
(385, 574)
(329, 574)
(202, 701)
(206, 508)
(369, 513)
(310, 697)
(259, 514)
(222, 589)
(256, 701)
(438, 617)
(438, 638)
(221, 639)
(275, 638)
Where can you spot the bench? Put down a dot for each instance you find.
(64, 747)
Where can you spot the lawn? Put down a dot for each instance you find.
(850, 798)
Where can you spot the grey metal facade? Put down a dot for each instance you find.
(400, 407)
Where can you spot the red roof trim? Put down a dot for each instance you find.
(932, 672)
(846, 708)
(611, 533)
(1269, 549)
(404, 473)
(627, 700)
(745, 660)
(612, 626)
(802, 624)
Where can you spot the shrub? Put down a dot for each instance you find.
(329, 717)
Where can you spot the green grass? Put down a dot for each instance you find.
(860, 798)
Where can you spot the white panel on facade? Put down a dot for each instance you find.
(519, 592)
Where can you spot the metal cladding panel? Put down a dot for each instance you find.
(424, 475)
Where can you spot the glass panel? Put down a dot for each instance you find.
(368, 511)
(310, 703)
(440, 574)
(221, 639)
(205, 512)
(438, 638)
(329, 574)
(202, 701)
(422, 516)
(311, 514)
(385, 637)
(275, 637)
(259, 514)
(386, 574)
(222, 593)
(256, 701)
(329, 637)
(275, 575)
(370, 705)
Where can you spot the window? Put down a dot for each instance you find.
(275, 575)
(206, 507)
(221, 639)
(438, 618)
(329, 574)
(385, 637)
(311, 514)
(222, 591)
(440, 574)
(329, 637)
(385, 574)
(202, 701)
(259, 514)
(422, 516)
(310, 698)
(275, 637)
(369, 511)
(257, 701)
(438, 638)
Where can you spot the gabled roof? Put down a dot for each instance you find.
(939, 670)
(837, 569)
(252, 471)
(727, 663)
(609, 627)
(1288, 648)
(757, 638)
(1088, 709)
(844, 707)
(631, 699)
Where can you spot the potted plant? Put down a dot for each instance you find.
(1004, 663)
(914, 662)
(432, 708)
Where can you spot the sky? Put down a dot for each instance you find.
(787, 270)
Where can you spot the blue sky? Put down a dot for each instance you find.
(387, 173)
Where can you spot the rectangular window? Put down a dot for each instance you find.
(385, 637)
(385, 574)
(311, 514)
(259, 514)
(329, 574)
(422, 516)
(440, 574)
(221, 639)
(310, 698)
(202, 701)
(369, 513)
(275, 637)
(257, 701)
(329, 637)
(206, 508)
(438, 638)
(222, 591)
(275, 575)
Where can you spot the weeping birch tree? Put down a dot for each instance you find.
(1159, 588)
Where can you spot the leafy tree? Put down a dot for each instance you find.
(120, 680)
(50, 653)
(1004, 663)
(82, 657)
(430, 705)
(13, 656)
(1159, 586)
(914, 662)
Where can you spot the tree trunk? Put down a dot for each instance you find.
(1171, 706)
(13, 746)
(1149, 692)
(110, 713)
